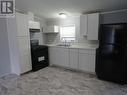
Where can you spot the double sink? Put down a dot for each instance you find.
(78, 46)
(64, 45)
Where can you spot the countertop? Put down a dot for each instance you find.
(75, 46)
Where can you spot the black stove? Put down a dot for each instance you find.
(39, 54)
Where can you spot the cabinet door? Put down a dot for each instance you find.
(34, 25)
(59, 56)
(52, 55)
(52, 29)
(62, 56)
(24, 54)
(22, 24)
(87, 62)
(83, 25)
(93, 26)
(73, 54)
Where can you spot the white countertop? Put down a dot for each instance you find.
(76, 46)
(84, 46)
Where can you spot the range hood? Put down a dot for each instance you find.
(34, 26)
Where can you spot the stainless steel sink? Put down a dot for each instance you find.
(63, 45)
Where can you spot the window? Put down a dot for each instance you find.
(67, 33)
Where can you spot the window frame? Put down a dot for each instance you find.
(67, 26)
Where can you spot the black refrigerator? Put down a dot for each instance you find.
(111, 56)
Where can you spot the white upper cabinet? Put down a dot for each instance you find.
(22, 24)
(93, 26)
(89, 26)
(34, 25)
(83, 25)
(52, 29)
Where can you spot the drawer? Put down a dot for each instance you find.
(87, 51)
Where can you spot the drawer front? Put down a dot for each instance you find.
(87, 51)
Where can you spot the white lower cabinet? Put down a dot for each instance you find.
(73, 60)
(24, 54)
(78, 59)
(59, 56)
(87, 60)
(52, 55)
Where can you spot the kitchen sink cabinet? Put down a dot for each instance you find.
(59, 56)
(73, 58)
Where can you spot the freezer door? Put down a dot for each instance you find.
(113, 34)
(106, 35)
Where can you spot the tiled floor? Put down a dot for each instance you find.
(57, 81)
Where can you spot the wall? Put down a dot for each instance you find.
(5, 66)
(105, 18)
(54, 38)
(75, 20)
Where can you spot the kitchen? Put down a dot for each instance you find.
(69, 43)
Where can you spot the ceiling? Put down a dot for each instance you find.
(51, 8)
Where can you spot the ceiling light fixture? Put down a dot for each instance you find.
(63, 15)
